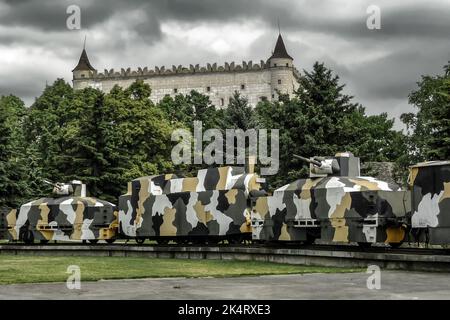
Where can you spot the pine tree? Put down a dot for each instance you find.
(321, 120)
(238, 114)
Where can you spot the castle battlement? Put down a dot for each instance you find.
(182, 70)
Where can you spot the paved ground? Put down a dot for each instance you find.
(394, 285)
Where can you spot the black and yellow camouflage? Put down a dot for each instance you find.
(430, 188)
(70, 215)
(214, 205)
(335, 204)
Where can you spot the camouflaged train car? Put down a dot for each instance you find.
(69, 215)
(334, 204)
(430, 187)
(212, 206)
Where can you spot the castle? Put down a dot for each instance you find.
(255, 81)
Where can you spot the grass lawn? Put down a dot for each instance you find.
(33, 269)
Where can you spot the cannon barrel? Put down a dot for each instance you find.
(48, 182)
(314, 162)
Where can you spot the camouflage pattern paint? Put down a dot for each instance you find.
(66, 218)
(8, 218)
(430, 188)
(70, 215)
(213, 203)
(334, 208)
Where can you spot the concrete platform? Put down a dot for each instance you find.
(394, 285)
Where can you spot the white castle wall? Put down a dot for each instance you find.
(259, 82)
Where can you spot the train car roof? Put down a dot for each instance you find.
(431, 163)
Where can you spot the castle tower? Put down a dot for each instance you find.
(84, 70)
(281, 68)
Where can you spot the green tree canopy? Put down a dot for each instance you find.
(429, 128)
(321, 119)
(105, 140)
(15, 182)
(238, 114)
(185, 109)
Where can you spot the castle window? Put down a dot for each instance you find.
(287, 64)
(242, 86)
(222, 102)
(208, 89)
(263, 98)
(82, 75)
(273, 96)
(274, 64)
(175, 90)
(279, 81)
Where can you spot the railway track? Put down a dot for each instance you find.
(417, 259)
(319, 247)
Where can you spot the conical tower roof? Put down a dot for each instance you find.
(84, 63)
(280, 50)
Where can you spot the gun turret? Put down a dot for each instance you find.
(314, 162)
(75, 188)
(320, 167)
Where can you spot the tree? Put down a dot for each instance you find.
(105, 140)
(429, 128)
(137, 137)
(238, 114)
(376, 138)
(48, 123)
(14, 175)
(183, 110)
(321, 120)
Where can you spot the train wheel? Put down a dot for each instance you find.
(213, 241)
(110, 241)
(162, 241)
(309, 240)
(364, 245)
(28, 237)
(93, 241)
(139, 240)
(236, 240)
(198, 240)
(182, 241)
(395, 245)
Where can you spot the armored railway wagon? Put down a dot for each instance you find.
(212, 206)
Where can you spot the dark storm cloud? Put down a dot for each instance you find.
(51, 15)
(395, 75)
(14, 84)
(412, 19)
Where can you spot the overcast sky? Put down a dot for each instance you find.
(380, 67)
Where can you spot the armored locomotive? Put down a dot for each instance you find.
(68, 215)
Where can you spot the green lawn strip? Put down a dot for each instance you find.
(34, 269)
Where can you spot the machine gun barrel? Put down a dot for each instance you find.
(48, 182)
(314, 162)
